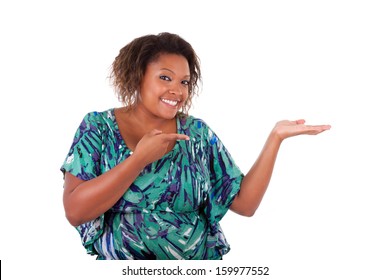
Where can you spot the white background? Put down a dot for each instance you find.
(326, 213)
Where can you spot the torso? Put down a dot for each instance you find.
(172, 210)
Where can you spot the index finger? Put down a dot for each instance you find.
(176, 136)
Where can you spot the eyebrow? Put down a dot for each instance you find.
(187, 76)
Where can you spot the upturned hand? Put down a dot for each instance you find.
(284, 129)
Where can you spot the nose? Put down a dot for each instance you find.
(176, 89)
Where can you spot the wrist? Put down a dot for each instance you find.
(137, 161)
(275, 136)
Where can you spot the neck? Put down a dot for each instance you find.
(149, 121)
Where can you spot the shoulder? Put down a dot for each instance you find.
(96, 118)
(97, 122)
(196, 127)
(191, 122)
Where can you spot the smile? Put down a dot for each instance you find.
(170, 102)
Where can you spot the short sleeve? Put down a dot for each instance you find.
(83, 161)
(225, 178)
(225, 182)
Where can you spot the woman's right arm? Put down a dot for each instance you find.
(87, 200)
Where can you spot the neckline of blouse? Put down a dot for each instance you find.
(123, 143)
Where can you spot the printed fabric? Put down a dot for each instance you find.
(173, 209)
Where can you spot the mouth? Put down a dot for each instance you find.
(169, 102)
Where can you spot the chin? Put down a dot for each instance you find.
(168, 116)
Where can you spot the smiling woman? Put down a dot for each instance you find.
(130, 66)
(164, 88)
(149, 181)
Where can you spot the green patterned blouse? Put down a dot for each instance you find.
(172, 210)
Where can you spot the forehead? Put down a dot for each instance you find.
(173, 62)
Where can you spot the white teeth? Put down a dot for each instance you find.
(170, 102)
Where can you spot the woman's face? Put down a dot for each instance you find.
(164, 88)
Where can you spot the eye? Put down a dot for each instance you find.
(185, 82)
(165, 78)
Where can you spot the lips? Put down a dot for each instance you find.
(170, 102)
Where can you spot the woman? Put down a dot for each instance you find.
(149, 181)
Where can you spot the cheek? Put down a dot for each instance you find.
(186, 93)
(186, 99)
(185, 96)
(150, 93)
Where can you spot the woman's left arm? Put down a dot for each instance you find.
(255, 182)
